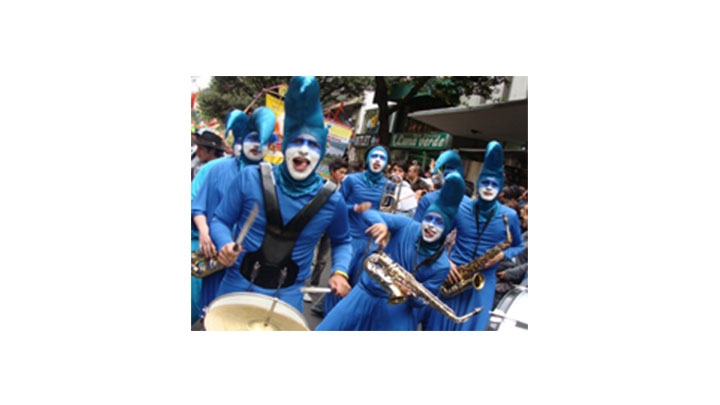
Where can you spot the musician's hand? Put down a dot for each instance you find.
(362, 207)
(228, 254)
(454, 275)
(378, 231)
(501, 275)
(339, 285)
(497, 259)
(207, 248)
(404, 289)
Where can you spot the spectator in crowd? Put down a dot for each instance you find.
(407, 202)
(338, 171)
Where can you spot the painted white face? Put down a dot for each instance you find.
(433, 226)
(377, 160)
(251, 147)
(302, 156)
(488, 188)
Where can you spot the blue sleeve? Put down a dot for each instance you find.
(517, 240)
(199, 201)
(227, 214)
(346, 191)
(395, 222)
(340, 240)
(371, 217)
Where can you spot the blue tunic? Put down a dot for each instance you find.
(243, 194)
(367, 307)
(196, 283)
(468, 229)
(356, 190)
(211, 192)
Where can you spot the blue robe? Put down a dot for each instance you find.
(196, 283)
(210, 194)
(355, 190)
(367, 307)
(463, 252)
(242, 195)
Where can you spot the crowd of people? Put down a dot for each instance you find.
(303, 228)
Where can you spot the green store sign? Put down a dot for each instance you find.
(431, 141)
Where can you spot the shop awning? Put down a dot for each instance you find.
(503, 122)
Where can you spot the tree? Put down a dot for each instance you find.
(445, 89)
(229, 92)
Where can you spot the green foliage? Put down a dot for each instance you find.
(229, 92)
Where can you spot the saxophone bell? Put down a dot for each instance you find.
(478, 281)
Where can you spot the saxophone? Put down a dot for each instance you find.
(390, 275)
(470, 273)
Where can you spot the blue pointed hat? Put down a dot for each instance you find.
(303, 112)
(236, 120)
(451, 194)
(449, 161)
(262, 121)
(493, 164)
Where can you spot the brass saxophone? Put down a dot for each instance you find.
(390, 275)
(391, 194)
(470, 273)
(201, 267)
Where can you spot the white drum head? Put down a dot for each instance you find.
(249, 311)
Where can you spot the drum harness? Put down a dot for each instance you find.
(274, 256)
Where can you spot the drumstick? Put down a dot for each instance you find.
(246, 227)
(315, 290)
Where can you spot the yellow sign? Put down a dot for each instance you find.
(282, 89)
(339, 131)
(275, 104)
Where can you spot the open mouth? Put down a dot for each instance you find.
(429, 232)
(376, 166)
(300, 164)
(255, 151)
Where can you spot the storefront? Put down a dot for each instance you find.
(421, 147)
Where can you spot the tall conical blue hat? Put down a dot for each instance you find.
(262, 120)
(451, 194)
(303, 112)
(236, 120)
(493, 164)
(448, 161)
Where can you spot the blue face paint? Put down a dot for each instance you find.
(305, 140)
(433, 227)
(488, 188)
(379, 155)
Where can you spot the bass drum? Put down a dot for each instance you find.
(511, 313)
(250, 311)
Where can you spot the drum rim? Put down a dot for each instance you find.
(261, 296)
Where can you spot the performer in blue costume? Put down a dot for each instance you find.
(260, 264)
(210, 139)
(474, 238)
(448, 162)
(361, 191)
(251, 138)
(418, 248)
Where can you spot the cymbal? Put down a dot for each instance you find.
(249, 312)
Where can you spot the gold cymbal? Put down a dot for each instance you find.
(249, 312)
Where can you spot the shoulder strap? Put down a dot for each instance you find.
(272, 208)
(296, 225)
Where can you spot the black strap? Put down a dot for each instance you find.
(297, 223)
(429, 259)
(272, 208)
(487, 222)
